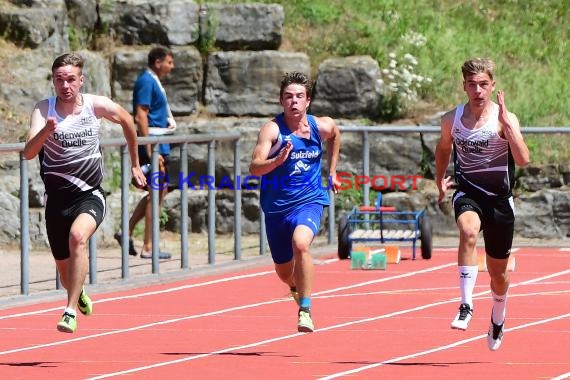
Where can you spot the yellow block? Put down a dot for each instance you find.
(482, 262)
(392, 254)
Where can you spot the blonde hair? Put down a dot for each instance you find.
(478, 65)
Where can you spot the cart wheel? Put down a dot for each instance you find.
(425, 238)
(343, 242)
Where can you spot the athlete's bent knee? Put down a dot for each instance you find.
(77, 238)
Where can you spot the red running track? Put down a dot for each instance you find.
(391, 324)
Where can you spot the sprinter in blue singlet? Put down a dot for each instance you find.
(288, 159)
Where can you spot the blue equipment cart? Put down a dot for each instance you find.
(383, 224)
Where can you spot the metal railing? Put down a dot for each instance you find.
(211, 140)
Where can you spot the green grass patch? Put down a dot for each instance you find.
(528, 40)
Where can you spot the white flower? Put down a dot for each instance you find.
(414, 39)
(399, 79)
(410, 59)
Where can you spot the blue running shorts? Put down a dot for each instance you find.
(280, 228)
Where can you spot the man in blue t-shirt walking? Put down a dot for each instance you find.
(153, 117)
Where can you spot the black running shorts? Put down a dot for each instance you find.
(62, 212)
(497, 220)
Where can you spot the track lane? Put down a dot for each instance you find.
(188, 328)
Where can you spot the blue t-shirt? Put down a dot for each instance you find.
(148, 92)
(298, 180)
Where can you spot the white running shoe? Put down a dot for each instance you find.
(495, 336)
(463, 317)
(305, 322)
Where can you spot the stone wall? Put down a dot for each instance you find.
(229, 61)
(227, 57)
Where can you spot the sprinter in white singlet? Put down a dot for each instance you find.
(64, 131)
(487, 142)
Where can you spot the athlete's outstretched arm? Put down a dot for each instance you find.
(105, 107)
(330, 131)
(443, 153)
(260, 163)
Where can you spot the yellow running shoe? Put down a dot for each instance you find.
(84, 303)
(67, 324)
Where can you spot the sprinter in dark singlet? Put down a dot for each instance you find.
(487, 142)
(64, 130)
(288, 157)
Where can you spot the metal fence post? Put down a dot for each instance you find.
(184, 261)
(366, 166)
(155, 210)
(24, 228)
(125, 172)
(237, 201)
(212, 203)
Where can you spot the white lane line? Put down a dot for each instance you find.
(333, 327)
(371, 282)
(454, 288)
(213, 282)
(562, 377)
(146, 294)
(259, 343)
(437, 349)
(539, 279)
(208, 314)
(140, 327)
(441, 348)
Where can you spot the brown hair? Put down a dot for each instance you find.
(67, 59)
(158, 52)
(478, 65)
(296, 77)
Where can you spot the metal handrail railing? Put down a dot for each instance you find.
(211, 139)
